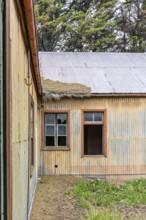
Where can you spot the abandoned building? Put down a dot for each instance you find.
(93, 117)
(20, 97)
(64, 113)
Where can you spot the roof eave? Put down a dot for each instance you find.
(120, 94)
(28, 9)
(57, 95)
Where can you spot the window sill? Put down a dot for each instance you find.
(94, 155)
(56, 149)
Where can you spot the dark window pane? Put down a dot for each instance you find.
(50, 141)
(62, 141)
(98, 116)
(88, 116)
(62, 130)
(92, 139)
(49, 118)
(61, 118)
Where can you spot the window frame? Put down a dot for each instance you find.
(104, 130)
(55, 148)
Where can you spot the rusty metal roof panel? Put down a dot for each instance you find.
(102, 72)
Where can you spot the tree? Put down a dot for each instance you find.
(50, 18)
(131, 26)
(93, 25)
(75, 25)
(99, 33)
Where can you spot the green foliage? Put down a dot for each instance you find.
(51, 22)
(103, 215)
(131, 26)
(75, 25)
(102, 193)
(134, 192)
(93, 25)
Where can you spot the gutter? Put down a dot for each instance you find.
(47, 96)
(28, 85)
(29, 17)
(2, 214)
(7, 113)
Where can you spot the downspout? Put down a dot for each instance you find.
(7, 113)
(28, 83)
(1, 115)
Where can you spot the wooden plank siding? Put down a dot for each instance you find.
(126, 139)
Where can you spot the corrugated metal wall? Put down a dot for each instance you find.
(126, 139)
(20, 124)
(19, 118)
(34, 177)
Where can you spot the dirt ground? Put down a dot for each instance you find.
(51, 201)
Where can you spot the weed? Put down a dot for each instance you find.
(102, 193)
(103, 215)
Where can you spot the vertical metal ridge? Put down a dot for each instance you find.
(1, 116)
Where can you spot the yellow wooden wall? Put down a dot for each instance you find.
(126, 139)
(19, 69)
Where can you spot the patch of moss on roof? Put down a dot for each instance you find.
(50, 86)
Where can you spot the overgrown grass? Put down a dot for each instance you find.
(103, 215)
(102, 193)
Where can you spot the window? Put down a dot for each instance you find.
(94, 133)
(56, 129)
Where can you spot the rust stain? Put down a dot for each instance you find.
(50, 86)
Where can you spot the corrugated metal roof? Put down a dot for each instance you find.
(106, 73)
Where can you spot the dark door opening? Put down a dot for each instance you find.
(93, 140)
